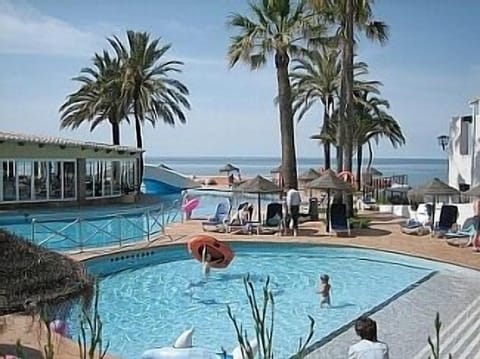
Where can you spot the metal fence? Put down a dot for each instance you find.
(103, 230)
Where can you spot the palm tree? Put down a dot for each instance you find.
(275, 28)
(148, 89)
(350, 16)
(316, 78)
(371, 123)
(98, 99)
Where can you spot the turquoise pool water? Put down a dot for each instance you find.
(90, 227)
(163, 293)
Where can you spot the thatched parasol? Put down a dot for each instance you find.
(277, 169)
(259, 185)
(31, 276)
(328, 181)
(372, 171)
(229, 168)
(437, 188)
(309, 175)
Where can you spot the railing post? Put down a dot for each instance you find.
(120, 230)
(163, 218)
(80, 234)
(147, 217)
(33, 230)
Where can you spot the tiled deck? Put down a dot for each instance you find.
(384, 234)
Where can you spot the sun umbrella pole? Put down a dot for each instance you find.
(328, 210)
(259, 209)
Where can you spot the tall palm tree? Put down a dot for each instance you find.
(98, 99)
(350, 16)
(371, 123)
(316, 78)
(148, 88)
(273, 28)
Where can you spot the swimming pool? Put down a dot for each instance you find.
(148, 298)
(74, 229)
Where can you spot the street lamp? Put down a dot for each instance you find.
(443, 141)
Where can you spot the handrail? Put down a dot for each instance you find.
(120, 228)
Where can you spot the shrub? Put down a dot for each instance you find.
(263, 318)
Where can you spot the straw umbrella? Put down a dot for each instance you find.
(259, 185)
(309, 176)
(329, 181)
(437, 188)
(31, 276)
(228, 168)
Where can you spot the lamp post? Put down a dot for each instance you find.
(443, 141)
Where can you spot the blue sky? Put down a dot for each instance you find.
(430, 69)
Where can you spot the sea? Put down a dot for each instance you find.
(418, 170)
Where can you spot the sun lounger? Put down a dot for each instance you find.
(218, 222)
(448, 217)
(274, 220)
(339, 222)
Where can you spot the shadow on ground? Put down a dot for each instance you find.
(371, 232)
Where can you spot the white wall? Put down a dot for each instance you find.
(475, 169)
(459, 165)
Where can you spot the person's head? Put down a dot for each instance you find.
(324, 278)
(366, 328)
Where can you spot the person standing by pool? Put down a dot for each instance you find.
(293, 205)
(368, 347)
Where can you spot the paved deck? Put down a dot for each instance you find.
(405, 333)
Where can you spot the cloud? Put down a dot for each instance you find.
(24, 30)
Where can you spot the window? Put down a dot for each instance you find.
(109, 178)
(24, 177)
(9, 181)
(37, 180)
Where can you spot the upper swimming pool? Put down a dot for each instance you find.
(77, 229)
(148, 298)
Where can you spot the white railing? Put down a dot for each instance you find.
(112, 229)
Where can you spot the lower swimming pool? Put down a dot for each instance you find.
(148, 299)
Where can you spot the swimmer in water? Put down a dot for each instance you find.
(206, 258)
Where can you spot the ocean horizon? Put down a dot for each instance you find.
(418, 170)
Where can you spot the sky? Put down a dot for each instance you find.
(430, 69)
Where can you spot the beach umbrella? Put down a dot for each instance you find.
(329, 181)
(437, 188)
(229, 168)
(258, 185)
(309, 175)
(32, 276)
(277, 169)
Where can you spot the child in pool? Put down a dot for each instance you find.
(206, 258)
(324, 290)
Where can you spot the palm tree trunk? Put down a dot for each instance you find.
(359, 167)
(347, 87)
(115, 132)
(326, 144)
(289, 160)
(370, 154)
(138, 135)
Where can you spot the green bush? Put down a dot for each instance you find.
(359, 223)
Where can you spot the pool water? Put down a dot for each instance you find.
(92, 227)
(150, 306)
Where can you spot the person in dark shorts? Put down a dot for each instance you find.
(293, 205)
